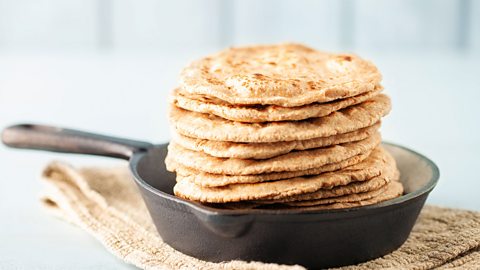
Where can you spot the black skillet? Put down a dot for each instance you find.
(315, 239)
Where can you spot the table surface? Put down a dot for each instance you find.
(435, 112)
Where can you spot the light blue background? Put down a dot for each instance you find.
(107, 66)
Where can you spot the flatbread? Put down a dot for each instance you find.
(266, 113)
(349, 198)
(210, 127)
(394, 189)
(389, 173)
(293, 161)
(268, 150)
(374, 166)
(337, 191)
(389, 191)
(374, 187)
(204, 179)
(283, 74)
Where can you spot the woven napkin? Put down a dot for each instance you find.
(105, 202)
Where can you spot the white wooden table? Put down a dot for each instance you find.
(435, 111)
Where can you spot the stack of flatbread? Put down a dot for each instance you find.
(280, 126)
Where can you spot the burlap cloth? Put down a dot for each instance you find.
(106, 203)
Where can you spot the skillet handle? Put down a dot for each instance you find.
(64, 140)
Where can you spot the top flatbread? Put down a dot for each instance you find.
(283, 74)
(266, 113)
(210, 127)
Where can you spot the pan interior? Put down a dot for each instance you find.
(151, 168)
(416, 171)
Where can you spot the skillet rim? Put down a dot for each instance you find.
(211, 211)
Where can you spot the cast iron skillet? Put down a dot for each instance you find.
(315, 239)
